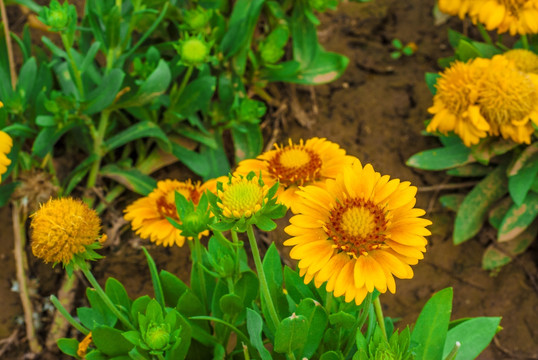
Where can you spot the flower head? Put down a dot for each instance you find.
(244, 200)
(6, 143)
(524, 60)
(357, 232)
(454, 7)
(148, 215)
(63, 228)
(294, 165)
(194, 51)
(455, 106)
(515, 16)
(508, 100)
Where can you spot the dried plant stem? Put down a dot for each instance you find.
(447, 186)
(19, 236)
(8, 45)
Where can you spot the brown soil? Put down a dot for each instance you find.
(376, 112)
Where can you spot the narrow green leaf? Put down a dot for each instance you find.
(105, 94)
(295, 285)
(6, 190)
(498, 212)
(157, 287)
(431, 328)
(254, 328)
(470, 170)
(137, 131)
(490, 147)
(196, 96)
(451, 201)
(522, 172)
(431, 80)
(442, 158)
(474, 335)
(173, 288)
(241, 25)
(304, 36)
(132, 179)
(473, 210)
(466, 51)
(518, 218)
(47, 138)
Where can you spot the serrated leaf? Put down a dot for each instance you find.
(473, 210)
(518, 218)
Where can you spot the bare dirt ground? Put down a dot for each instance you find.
(376, 112)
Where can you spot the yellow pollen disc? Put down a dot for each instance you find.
(356, 226)
(456, 87)
(242, 199)
(294, 158)
(358, 221)
(295, 165)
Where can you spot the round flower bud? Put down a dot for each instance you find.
(58, 19)
(194, 51)
(157, 336)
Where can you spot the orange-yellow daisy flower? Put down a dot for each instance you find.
(357, 232)
(6, 143)
(515, 16)
(508, 100)
(455, 7)
(524, 60)
(455, 106)
(148, 215)
(62, 228)
(294, 165)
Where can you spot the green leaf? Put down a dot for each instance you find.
(139, 306)
(431, 328)
(518, 218)
(181, 348)
(442, 158)
(474, 335)
(295, 285)
(157, 287)
(304, 37)
(110, 341)
(522, 172)
(272, 267)
(27, 78)
(68, 346)
(47, 138)
(105, 94)
(466, 51)
(317, 319)
(154, 86)
(470, 170)
(97, 304)
(254, 328)
(173, 288)
(117, 293)
(500, 254)
(241, 26)
(132, 179)
(196, 96)
(431, 80)
(137, 131)
(5, 192)
(342, 319)
(281, 72)
(324, 68)
(451, 201)
(498, 212)
(78, 173)
(490, 147)
(473, 210)
(231, 304)
(331, 355)
(291, 334)
(248, 141)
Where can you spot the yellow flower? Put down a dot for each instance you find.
(524, 60)
(455, 106)
(148, 215)
(6, 143)
(515, 16)
(83, 345)
(455, 7)
(294, 165)
(62, 228)
(508, 100)
(357, 232)
(241, 197)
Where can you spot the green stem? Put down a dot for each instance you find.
(525, 42)
(184, 82)
(454, 351)
(9, 46)
(264, 288)
(235, 240)
(85, 269)
(359, 324)
(68, 316)
(110, 196)
(379, 317)
(199, 263)
(160, 356)
(97, 144)
(76, 71)
(246, 355)
(484, 34)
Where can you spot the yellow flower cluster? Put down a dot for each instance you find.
(482, 97)
(6, 143)
(515, 16)
(353, 228)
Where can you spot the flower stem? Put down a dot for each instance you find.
(199, 264)
(359, 324)
(85, 269)
(525, 42)
(379, 317)
(76, 71)
(484, 34)
(264, 288)
(68, 316)
(19, 237)
(97, 144)
(9, 46)
(184, 82)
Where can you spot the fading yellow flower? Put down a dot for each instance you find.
(508, 100)
(83, 345)
(294, 165)
(148, 215)
(241, 196)
(62, 228)
(6, 143)
(455, 105)
(515, 16)
(357, 232)
(524, 60)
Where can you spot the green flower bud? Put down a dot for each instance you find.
(157, 336)
(58, 17)
(194, 51)
(197, 19)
